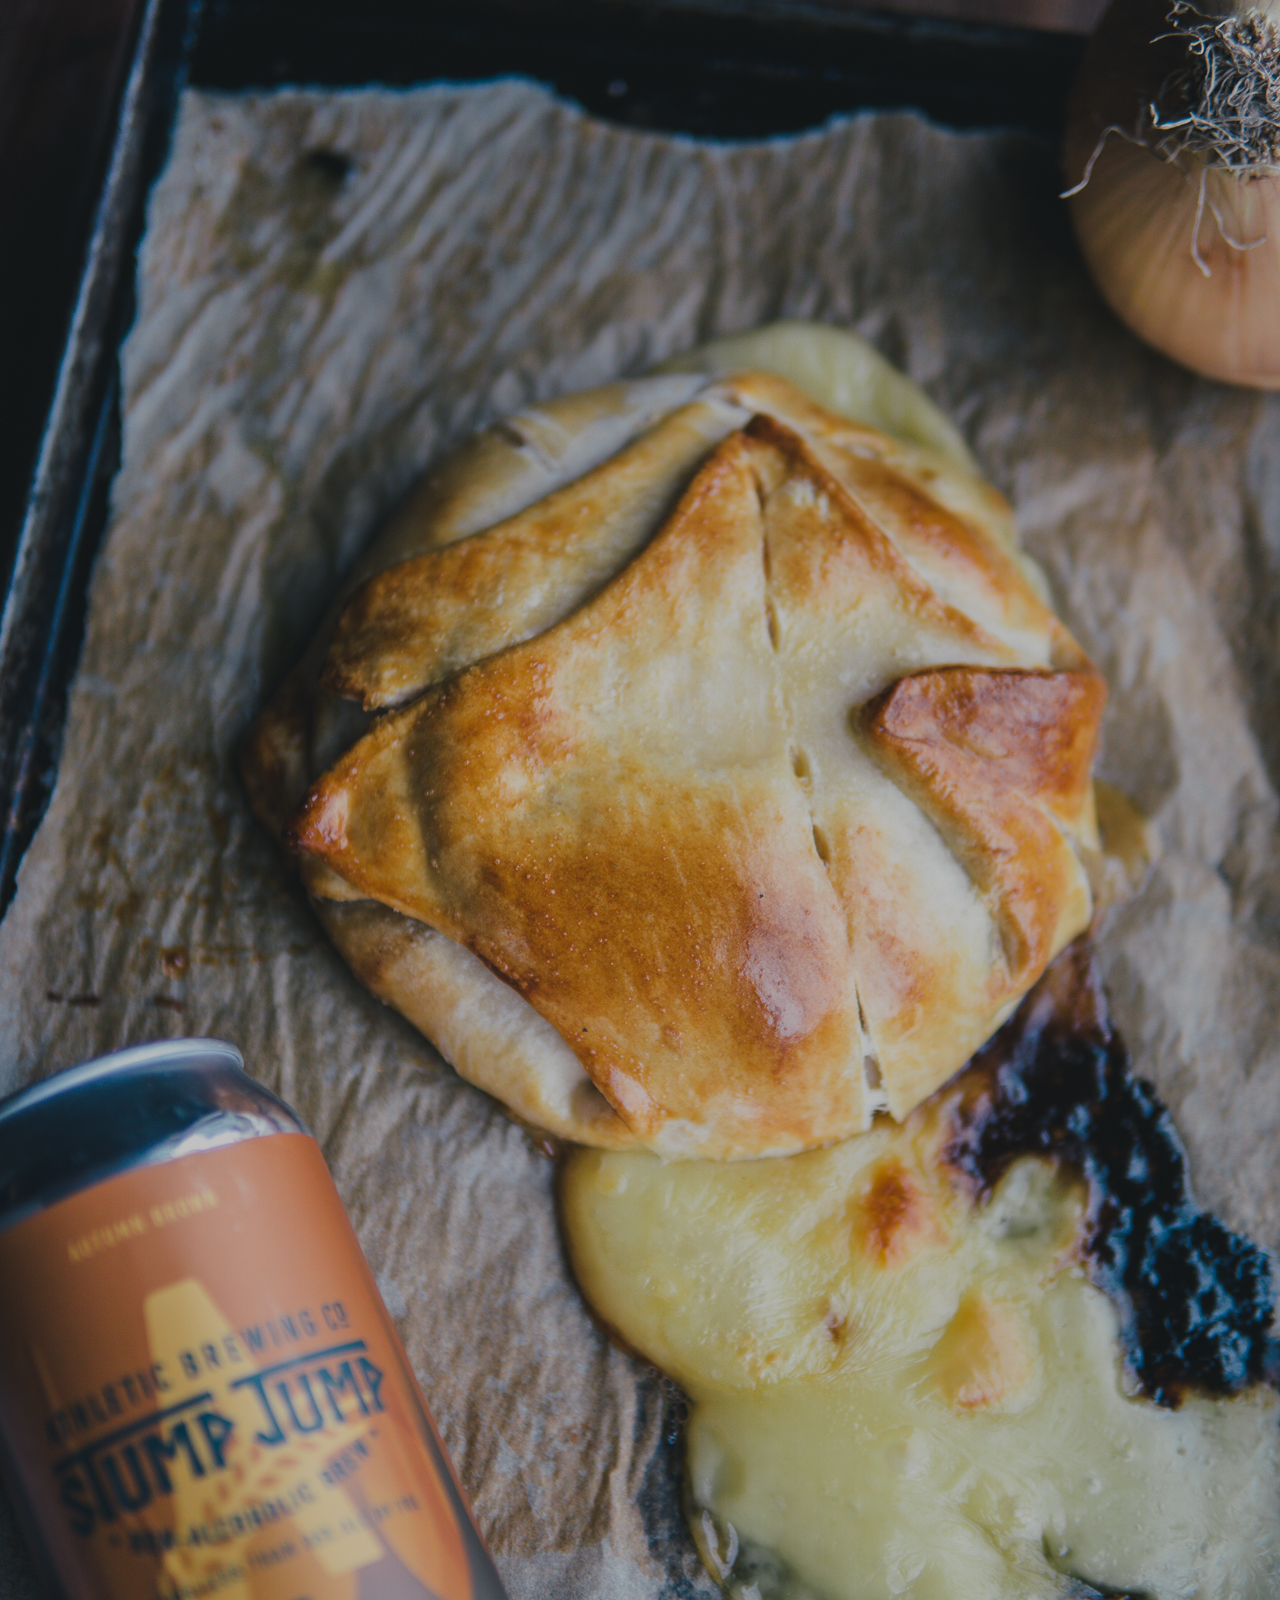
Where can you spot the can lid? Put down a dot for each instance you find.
(120, 1064)
(154, 1102)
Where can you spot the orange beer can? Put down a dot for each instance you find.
(202, 1396)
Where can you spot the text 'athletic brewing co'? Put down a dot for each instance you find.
(202, 1396)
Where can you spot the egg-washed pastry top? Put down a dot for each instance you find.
(696, 766)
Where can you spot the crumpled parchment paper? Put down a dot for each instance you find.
(336, 287)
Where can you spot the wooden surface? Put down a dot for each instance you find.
(1064, 16)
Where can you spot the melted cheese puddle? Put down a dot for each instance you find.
(896, 1393)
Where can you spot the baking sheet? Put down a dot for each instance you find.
(334, 288)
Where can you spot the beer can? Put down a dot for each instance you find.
(202, 1396)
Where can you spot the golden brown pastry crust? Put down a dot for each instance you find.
(1000, 762)
(789, 805)
(422, 620)
(664, 908)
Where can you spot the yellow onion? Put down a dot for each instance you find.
(1172, 155)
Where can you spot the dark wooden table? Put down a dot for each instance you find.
(1067, 16)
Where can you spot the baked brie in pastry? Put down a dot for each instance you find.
(697, 766)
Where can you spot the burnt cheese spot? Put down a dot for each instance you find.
(895, 1217)
(1195, 1300)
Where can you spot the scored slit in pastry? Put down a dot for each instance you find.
(735, 785)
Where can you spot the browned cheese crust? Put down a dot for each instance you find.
(736, 784)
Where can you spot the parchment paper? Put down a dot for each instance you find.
(335, 287)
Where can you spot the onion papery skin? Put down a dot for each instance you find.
(1136, 217)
